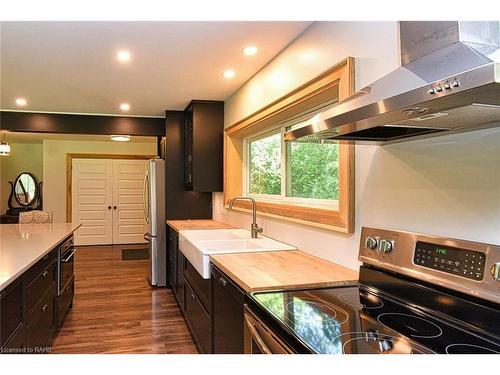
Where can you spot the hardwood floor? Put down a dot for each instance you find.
(116, 311)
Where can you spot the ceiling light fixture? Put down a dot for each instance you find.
(250, 50)
(123, 56)
(4, 146)
(120, 138)
(125, 107)
(228, 74)
(21, 102)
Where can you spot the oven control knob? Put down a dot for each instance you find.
(495, 271)
(386, 246)
(439, 89)
(371, 243)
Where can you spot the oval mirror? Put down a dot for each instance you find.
(25, 189)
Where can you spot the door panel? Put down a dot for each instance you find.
(92, 194)
(128, 185)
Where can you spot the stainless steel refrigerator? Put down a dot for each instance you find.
(155, 227)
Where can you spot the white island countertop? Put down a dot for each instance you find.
(22, 245)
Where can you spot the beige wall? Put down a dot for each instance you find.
(24, 157)
(445, 186)
(54, 166)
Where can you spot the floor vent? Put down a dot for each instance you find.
(135, 254)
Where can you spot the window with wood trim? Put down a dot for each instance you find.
(308, 183)
(294, 172)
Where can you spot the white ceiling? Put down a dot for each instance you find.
(71, 66)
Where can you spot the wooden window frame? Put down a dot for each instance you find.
(336, 81)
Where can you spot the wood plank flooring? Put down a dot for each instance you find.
(117, 311)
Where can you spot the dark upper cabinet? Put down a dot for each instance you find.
(181, 203)
(203, 145)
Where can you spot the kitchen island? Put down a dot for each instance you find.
(36, 284)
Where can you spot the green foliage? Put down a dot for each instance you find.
(312, 170)
(265, 165)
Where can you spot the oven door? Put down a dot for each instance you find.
(66, 265)
(259, 339)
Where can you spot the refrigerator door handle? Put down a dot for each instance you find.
(145, 201)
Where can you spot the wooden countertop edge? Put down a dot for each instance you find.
(197, 224)
(249, 289)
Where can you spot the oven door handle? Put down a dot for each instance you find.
(67, 258)
(255, 336)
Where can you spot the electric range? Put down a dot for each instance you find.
(416, 294)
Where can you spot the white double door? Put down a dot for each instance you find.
(107, 199)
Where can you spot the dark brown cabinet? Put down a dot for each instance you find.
(11, 311)
(203, 145)
(192, 293)
(176, 268)
(227, 314)
(198, 320)
(30, 308)
(42, 323)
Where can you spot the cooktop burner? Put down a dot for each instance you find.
(410, 325)
(469, 349)
(305, 309)
(360, 320)
(367, 301)
(372, 342)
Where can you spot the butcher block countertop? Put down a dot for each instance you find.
(282, 270)
(22, 245)
(179, 225)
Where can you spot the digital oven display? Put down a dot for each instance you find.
(460, 262)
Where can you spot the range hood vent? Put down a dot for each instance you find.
(448, 82)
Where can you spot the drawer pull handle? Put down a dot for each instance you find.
(3, 293)
(68, 257)
(46, 257)
(222, 282)
(193, 297)
(44, 308)
(45, 274)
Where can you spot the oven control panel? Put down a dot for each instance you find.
(460, 262)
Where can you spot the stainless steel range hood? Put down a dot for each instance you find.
(449, 81)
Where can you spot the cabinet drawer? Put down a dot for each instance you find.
(42, 323)
(64, 301)
(198, 320)
(16, 344)
(200, 285)
(39, 266)
(67, 244)
(11, 310)
(40, 285)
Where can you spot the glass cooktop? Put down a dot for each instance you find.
(355, 320)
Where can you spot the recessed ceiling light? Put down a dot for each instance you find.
(21, 102)
(125, 107)
(250, 50)
(123, 56)
(228, 74)
(120, 138)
